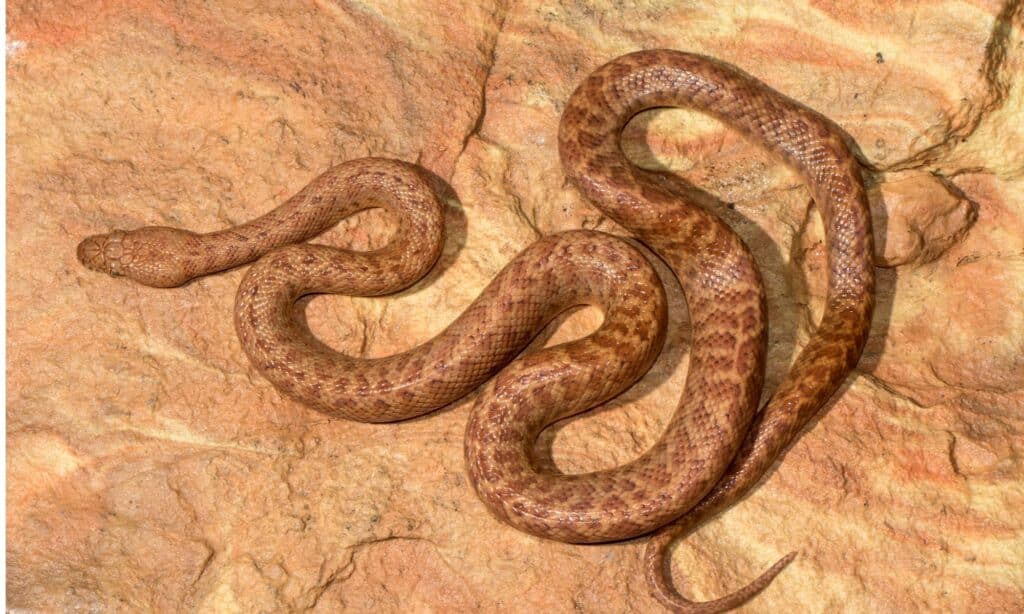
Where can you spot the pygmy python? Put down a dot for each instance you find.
(713, 449)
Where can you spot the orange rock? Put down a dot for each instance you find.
(921, 218)
(151, 469)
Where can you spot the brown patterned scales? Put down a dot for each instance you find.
(721, 283)
(691, 241)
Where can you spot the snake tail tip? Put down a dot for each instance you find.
(675, 602)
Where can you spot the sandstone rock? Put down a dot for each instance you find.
(921, 218)
(150, 467)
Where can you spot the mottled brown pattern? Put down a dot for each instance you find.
(720, 282)
(681, 476)
(554, 274)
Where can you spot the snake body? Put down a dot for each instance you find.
(810, 144)
(713, 449)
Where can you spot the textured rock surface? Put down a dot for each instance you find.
(149, 467)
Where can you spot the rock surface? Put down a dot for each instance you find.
(149, 467)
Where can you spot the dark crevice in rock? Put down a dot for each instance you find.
(961, 124)
(492, 56)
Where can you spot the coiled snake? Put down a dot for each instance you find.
(713, 449)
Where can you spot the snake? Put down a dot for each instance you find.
(715, 447)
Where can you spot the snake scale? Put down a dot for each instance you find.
(715, 446)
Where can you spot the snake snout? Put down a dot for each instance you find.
(102, 252)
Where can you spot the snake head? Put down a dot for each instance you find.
(153, 256)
